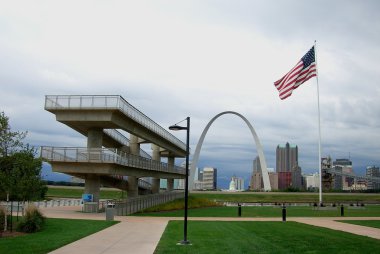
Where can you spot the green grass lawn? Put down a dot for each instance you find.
(272, 197)
(261, 237)
(267, 211)
(367, 223)
(56, 233)
(57, 192)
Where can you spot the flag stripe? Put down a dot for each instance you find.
(306, 73)
(280, 83)
(304, 70)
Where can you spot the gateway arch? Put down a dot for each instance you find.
(263, 164)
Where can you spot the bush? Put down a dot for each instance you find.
(32, 221)
(2, 214)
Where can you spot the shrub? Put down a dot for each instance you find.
(2, 215)
(32, 221)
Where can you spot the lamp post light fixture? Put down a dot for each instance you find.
(187, 128)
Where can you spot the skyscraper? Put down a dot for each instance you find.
(343, 182)
(286, 158)
(256, 182)
(373, 171)
(209, 178)
(288, 171)
(256, 165)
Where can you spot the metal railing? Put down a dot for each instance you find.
(141, 182)
(109, 102)
(133, 205)
(104, 155)
(144, 184)
(116, 135)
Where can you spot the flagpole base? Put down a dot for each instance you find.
(184, 242)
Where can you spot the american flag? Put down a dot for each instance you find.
(304, 70)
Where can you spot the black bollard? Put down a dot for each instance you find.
(11, 216)
(342, 210)
(284, 213)
(239, 210)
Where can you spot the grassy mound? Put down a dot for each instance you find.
(179, 204)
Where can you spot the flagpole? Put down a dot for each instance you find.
(319, 130)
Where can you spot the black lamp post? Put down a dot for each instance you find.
(187, 128)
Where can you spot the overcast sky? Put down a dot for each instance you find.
(173, 59)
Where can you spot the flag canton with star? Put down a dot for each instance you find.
(308, 58)
(304, 70)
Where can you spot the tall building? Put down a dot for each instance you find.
(209, 178)
(342, 182)
(288, 171)
(284, 180)
(312, 181)
(342, 162)
(273, 179)
(239, 183)
(286, 157)
(297, 179)
(256, 182)
(200, 175)
(327, 177)
(373, 171)
(256, 165)
(198, 181)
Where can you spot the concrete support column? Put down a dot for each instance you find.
(95, 138)
(170, 181)
(92, 186)
(92, 181)
(156, 157)
(133, 186)
(156, 153)
(170, 184)
(123, 150)
(155, 185)
(171, 162)
(134, 144)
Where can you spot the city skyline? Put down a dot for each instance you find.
(197, 59)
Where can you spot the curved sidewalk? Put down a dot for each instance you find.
(140, 235)
(333, 223)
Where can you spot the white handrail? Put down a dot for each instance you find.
(103, 155)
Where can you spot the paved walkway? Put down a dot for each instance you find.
(141, 234)
(341, 226)
(138, 235)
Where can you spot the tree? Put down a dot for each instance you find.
(20, 171)
(20, 176)
(10, 142)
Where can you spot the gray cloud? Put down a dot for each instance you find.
(198, 59)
